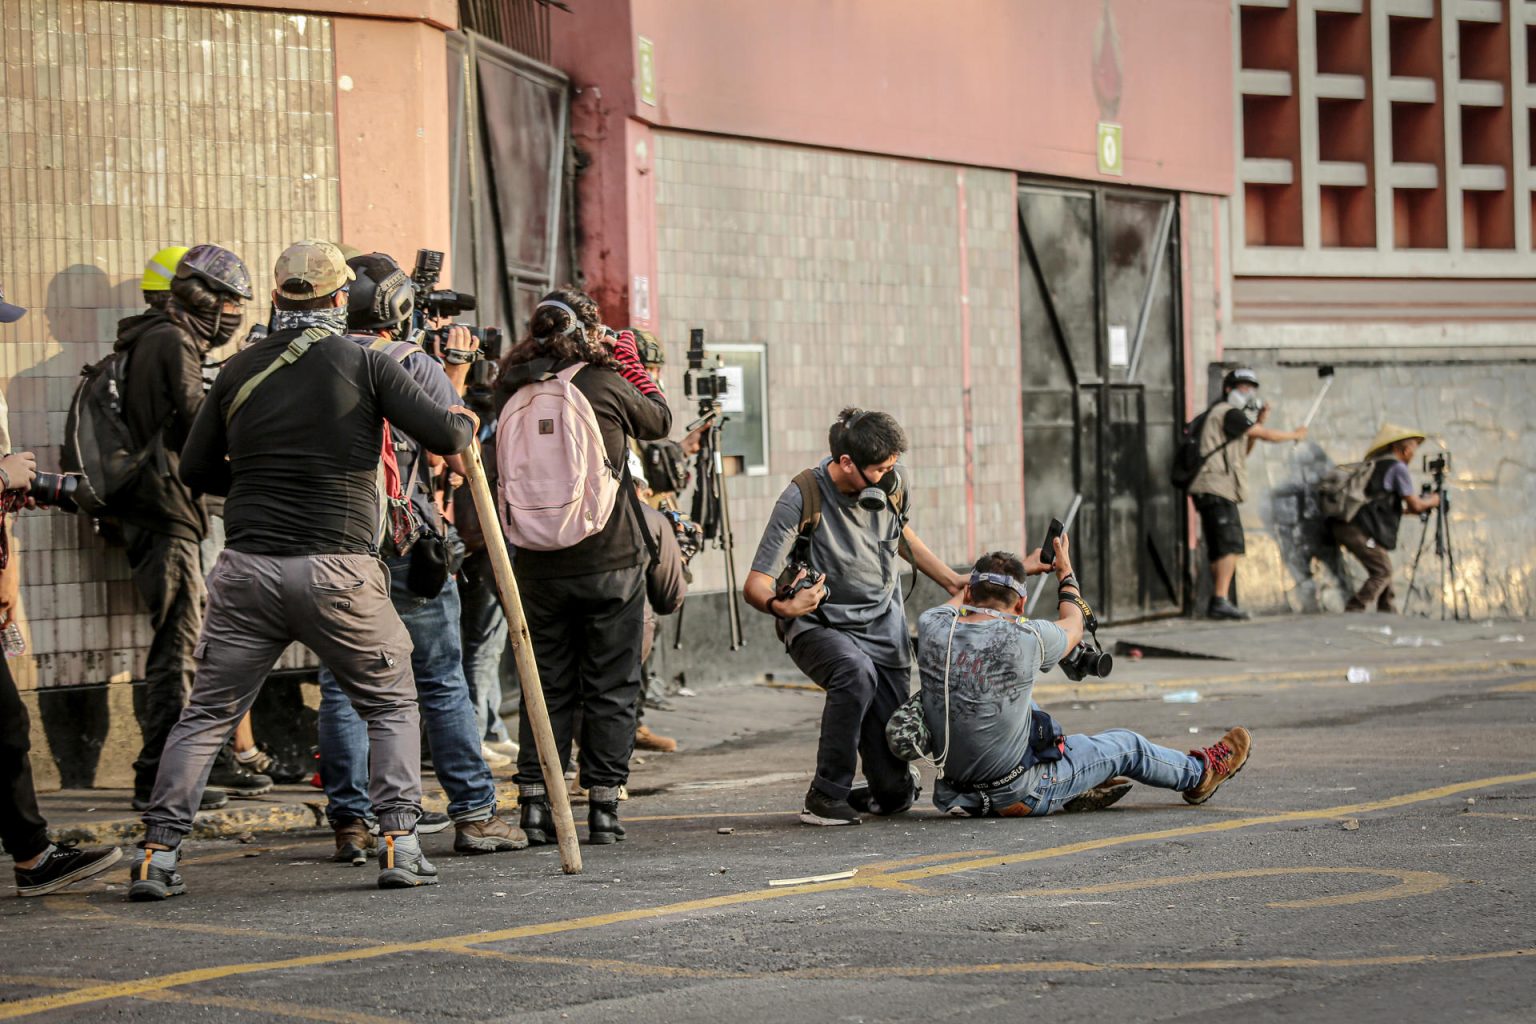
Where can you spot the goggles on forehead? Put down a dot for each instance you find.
(997, 579)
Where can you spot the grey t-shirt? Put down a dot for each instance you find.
(857, 549)
(992, 672)
(427, 372)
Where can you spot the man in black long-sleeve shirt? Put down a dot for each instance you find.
(295, 446)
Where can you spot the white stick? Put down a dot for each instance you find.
(1318, 403)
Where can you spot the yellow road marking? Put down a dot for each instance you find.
(130, 989)
(1410, 883)
(261, 1006)
(1529, 686)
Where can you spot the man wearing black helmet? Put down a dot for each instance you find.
(166, 521)
(1227, 433)
(379, 306)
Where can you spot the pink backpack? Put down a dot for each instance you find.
(556, 486)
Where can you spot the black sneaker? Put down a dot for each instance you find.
(211, 800)
(63, 866)
(1221, 608)
(432, 822)
(860, 799)
(280, 772)
(821, 809)
(148, 883)
(238, 780)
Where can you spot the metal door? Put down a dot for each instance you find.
(1102, 398)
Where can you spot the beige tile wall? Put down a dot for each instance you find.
(847, 268)
(125, 127)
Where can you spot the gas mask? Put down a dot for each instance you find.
(876, 496)
(1249, 402)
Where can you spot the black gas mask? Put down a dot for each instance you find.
(876, 496)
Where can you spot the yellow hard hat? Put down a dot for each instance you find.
(161, 268)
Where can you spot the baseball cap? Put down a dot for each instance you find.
(9, 313)
(308, 270)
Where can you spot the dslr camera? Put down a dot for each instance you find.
(436, 303)
(787, 587)
(1087, 659)
(48, 490)
(705, 385)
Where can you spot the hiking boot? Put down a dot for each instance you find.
(862, 801)
(280, 772)
(64, 865)
(603, 825)
(1222, 760)
(647, 740)
(1221, 608)
(148, 881)
(238, 780)
(493, 835)
(402, 865)
(353, 842)
(821, 809)
(1099, 797)
(211, 800)
(537, 820)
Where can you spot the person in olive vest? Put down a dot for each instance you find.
(1371, 536)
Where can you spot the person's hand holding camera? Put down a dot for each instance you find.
(803, 601)
(17, 471)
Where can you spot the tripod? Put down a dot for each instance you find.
(712, 511)
(1445, 551)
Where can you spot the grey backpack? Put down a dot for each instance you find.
(1344, 490)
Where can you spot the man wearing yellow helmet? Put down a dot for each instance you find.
(158, 274)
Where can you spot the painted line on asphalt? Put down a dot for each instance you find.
(630, 967)
(161, 983)
(1410, 883)
(263, 1007)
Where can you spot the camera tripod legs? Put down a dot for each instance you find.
(1445, 553)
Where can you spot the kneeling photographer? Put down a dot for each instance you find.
(997, 753)
(839, 527)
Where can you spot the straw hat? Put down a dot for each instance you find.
(1390, 434)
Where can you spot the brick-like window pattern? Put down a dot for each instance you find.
(1401, 128)
(128, 127)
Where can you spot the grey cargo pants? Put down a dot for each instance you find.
(336, 605)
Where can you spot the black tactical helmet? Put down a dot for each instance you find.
(218, 268)
(381, 298)
(651, 352)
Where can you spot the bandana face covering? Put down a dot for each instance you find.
(332, 318)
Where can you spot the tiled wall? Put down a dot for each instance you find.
(128, 127)
(848, 268)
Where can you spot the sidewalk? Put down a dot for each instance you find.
(1151, 660)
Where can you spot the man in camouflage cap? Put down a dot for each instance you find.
(311, 278)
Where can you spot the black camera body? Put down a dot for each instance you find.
(705, 385)
(434, 303)
(1438, 465)
(1087, 659)
(787, 586)
(48, 490)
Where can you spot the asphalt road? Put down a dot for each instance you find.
(1374, 862)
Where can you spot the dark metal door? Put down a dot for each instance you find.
(1102, 388)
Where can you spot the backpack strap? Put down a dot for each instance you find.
(295, 350)
(395, 348)
(810, 501)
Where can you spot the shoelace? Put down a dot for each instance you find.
(1218, 758)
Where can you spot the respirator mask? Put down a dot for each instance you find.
(876, 496)
(1249, 401)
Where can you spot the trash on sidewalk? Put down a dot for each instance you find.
(725, 831)
(1182, 697)
(1381, 630)
(1350, 824)
(1416, 641)
(1510, 638)
(836, 876)
(1356, 674)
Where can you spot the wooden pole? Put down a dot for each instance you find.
(527, 668)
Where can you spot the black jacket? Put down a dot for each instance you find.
(162, 393)
(622, 412)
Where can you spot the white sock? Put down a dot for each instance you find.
(247, 756)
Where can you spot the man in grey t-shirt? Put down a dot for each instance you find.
(846, 630)
(978, 658)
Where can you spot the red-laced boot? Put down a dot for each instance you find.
(1224, 759)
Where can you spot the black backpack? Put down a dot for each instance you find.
(1187, 460)
(98, 446)
(666, 467)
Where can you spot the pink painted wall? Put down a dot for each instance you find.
(392, 137)
(1014, 84)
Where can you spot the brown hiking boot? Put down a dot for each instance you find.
(353, 841)
(1222, 760)
(647, 740)
(1099, 797)
(493, 835)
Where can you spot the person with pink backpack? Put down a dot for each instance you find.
(576, 391)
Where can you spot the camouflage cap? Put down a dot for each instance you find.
(651, 352)
(308, 270)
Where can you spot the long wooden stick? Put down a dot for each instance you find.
(527, 668)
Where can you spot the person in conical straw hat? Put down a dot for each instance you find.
(1371, 535)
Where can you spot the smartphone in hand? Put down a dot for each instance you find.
(1048, 549)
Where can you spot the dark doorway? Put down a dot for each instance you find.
(1103, 398)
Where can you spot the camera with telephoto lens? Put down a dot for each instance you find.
(48, 490)
(705, 385)
(1087, 659)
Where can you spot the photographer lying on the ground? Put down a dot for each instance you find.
(999, 754)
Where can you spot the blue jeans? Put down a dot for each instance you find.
(1089, 761)
(484, 630)
(446, 711)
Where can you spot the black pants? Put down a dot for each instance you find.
(861, 697)
(167, 571)
(22, 828)
(586, 639)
